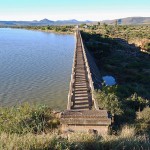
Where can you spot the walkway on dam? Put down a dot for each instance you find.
(82, 112)
(81, 95)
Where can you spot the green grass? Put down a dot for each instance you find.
(26, 119)
(127, 140)
(137, 34)
(131, 95)
(113, 58)
(30, 127)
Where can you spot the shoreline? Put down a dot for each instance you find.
(47, 31)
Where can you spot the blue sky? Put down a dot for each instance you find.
(72, 9)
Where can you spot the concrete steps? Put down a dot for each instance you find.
(80, 115)
(81, 90)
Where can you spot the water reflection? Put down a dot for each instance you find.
(35, 67)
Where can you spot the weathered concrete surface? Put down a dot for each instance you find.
(84, 120)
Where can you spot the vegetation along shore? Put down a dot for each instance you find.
(65, 29)
(117, 52)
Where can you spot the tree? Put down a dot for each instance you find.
(82, 25)
(105, 26)
(49, 27)
(99, 23)
(116, 23)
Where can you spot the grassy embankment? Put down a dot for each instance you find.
(134, 34)
(36, 127)
(114, 55)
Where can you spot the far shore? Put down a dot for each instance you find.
(48, 31)
(33, 29)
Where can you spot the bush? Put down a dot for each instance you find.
(109, 102)
(143, 120)
(145, 115)
(136, 102)
(26, 118)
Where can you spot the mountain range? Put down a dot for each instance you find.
(43, 22)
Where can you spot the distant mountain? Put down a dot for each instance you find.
(70, 22)
(45, 21)
(42, 22)
(73, 20)
(129, 20)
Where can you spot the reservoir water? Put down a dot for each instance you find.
(35, 67)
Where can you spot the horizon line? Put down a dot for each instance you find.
(79, 19)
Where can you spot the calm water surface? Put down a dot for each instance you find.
(35, 67)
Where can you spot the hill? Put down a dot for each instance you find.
(129, 21)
